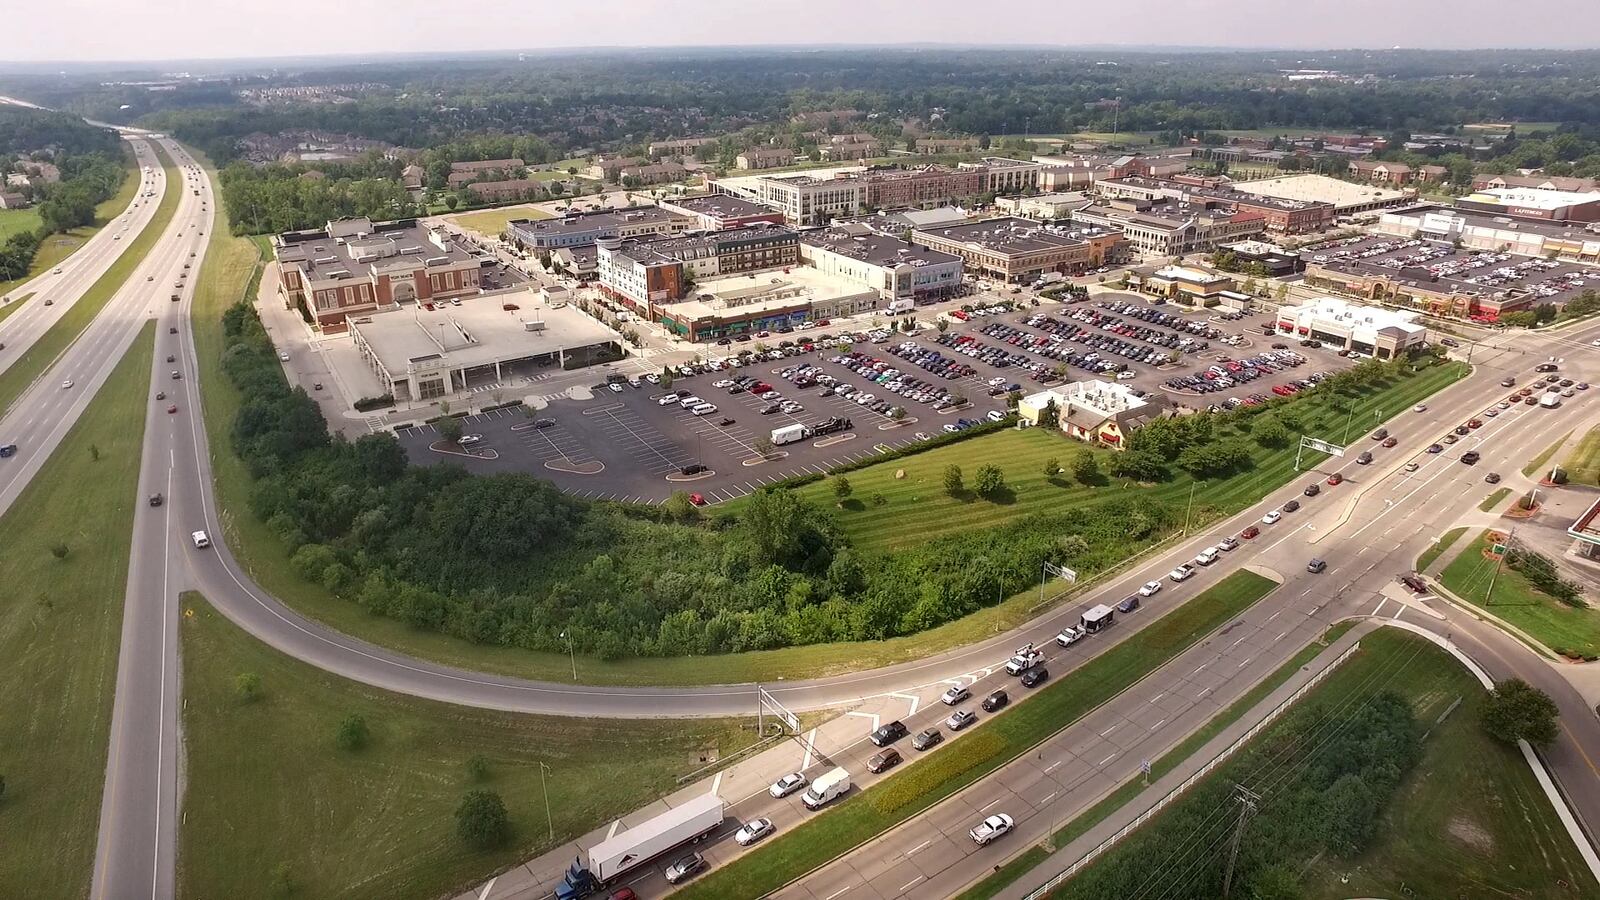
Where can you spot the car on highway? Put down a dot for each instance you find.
(1380, 434)
(787, 785)
(1412, 467)
(1291, 506)
(1022, 659)
(752, 831)
(283, 355)
(172, 408)
(1071, 635)
(1336, 479)
(1035, 676)
(995, 826)
(1271, 517)
(1182, 572)
(1150, 589)
(1316, 566)
(201, 539)
(1414, 583)
(927, 739)
(1470, 457)
(1228, 543)
(1313, 489)
(1420, 407)
(157, 499)
(960, 719)
(1390, 442)
(1492, 478)
(955, 695)
(888, 734)
(1250, 532)
(1364, 458)
(996, 700)
(66, 384)
(1435, 448)
(883, 761)
(1128, 603)
(684, 867)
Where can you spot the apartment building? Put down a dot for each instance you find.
(931, 185)
(1380, 171)
(506, 191)
(464, 173)
(931, 146)
(1014, 249)
(1005, 176)
(849, 151)
(585, 228)
(764, 158)
(647, 274)
(895, 268)
(679, 146)
(652, 173)
(610, 168)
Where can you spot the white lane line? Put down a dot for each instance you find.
(918, 847)
(1246, 662)
(1273, 616)
(1158, 696)
(911, 882)
(986, 806)
(1398, 613)
(914, 701)
(811, 746)
(1238, 642)
(1158, 724)
(1109, 730)
(1046, 800)
(716, 783)
(1375, 609)
(837, 893)
(1106, 760)
(1282, 636)
(1201, 667)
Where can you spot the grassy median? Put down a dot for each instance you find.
(59, 246)
(273, 803)
(50, 345)
(65, 571)
(1568, 630)
(1005, 737)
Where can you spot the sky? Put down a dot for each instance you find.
(97, 30)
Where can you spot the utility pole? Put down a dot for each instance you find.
(567, 636)
(1488, 596)
(1247, 800)
(550, 822)
(1190, 510)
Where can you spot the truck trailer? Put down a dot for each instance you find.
(614, 857)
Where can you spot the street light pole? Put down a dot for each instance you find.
(1190, 510)
(548, 820)
(572, 653)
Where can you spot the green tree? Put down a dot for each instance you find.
(841, 489)
(59, 550)
(1052, 468)
(478, 767)
(953, 484)
(1269, 431)
(247, 685)
(450, 201)
(450, 429)
(943, 325)
(1516, 709)
(764, 446)
(352, 734)
(481, 820)
(680, 508)
(991, 482)
(1085, 468)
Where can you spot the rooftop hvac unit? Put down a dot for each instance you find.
(533, 326)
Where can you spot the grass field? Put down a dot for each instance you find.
(378, 822)
(16, 221)
(14, 305)
(1553, 623)
(1493, 501)
(1469, 820)
(58, 247)
(868, 813)
(60, 626)
(1536, 466)
(918, 509)
(45, 350)
(1438, 548)
(493, 221)
(1583, 463)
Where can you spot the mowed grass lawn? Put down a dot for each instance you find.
(14, 221)
(918, 509)
(58, 247)
(1583, 463)
(1558, 626)
(493, 221)
(60, 627)
(269, 794)
(1470, 820)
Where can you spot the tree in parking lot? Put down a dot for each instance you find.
(841, 489)
(1516, 709)
(666, 379)
(481, 819)
(450, 429)
(943, 325)
(991, 482)
(1012, 399)
(764, 446)
(953, 483)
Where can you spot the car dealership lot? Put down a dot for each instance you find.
(635, 440)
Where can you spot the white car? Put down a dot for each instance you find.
(991, 828)
(468, 440)
(615, 387)
(666, 399)
(201, 539)
(1271, 517)
(722, 383)
(704, 409)
(1071, 635)
(283, 355)
(955, 695)
(66, 384)
(653, 378)
(787, 785)
(1181, 573)
(1420, 407)
(1150, 588)
(753, 830)
(690, 402)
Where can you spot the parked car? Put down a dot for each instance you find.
(955, 695)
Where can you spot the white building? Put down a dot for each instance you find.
(810, 201)
(896, 269)
(1097, 412)
(1044, 207)
(1369, 330)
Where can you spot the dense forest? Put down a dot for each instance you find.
(276, 198)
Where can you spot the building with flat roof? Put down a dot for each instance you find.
(1543, 182)
(931, 146)
(651, 173)
(1096, 412)
(1578, 242)
(679, 146)
(895, 268)
(1171, 227)
(807, 200)
(892, 187)
(1535, 203)
(581, 228)
(1347, 198)
(1002, 175)
(644, 274)
(731, 305)
(1016, 249)
(1043, 207)
(851, 150)
(355, 266)
(717, 212)
(1281, 215)
(422, 353)
(902, 222)
(1276, 261)
(1368, 330)
(1196, 285)
(506, 191)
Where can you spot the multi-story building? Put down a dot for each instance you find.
(1005, 176)
(1171, 228)
(679, 146)
(481, 166)
(933, 185)
(1016, 249)
(805, 200)
(1282, 215)
(896, 269)
(355, 266)
(764, 158)
(653, 173)
(931, 146)
(1540, 182)
(1097, 412)
(610, 168)
(646, 274)
(854, 150)
(412, 177)
(718, 212)
(1378, 170)
(583, 229)
(506, 191)
(1043, 207)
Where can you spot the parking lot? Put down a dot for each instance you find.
(1442, 264)
(845, 398)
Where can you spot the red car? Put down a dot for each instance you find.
(696, 499)
(1390, 442)
(1336, 479)
(1250, 532)
(1475, 423)
(173, 408)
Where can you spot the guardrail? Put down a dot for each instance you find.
(1203, 771)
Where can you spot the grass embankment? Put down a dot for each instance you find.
(1493, 501)
(49, 346)
(493, 221)
(1583, 463)
(1439, 547)
(1536, 466)
(1467, 820)
(1168, 761)
(1565, 629)
(270, 798)
(14, 305)
(918, 509)
(58, 247)
(1002, 739)
(60, 627)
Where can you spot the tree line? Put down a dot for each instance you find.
(291, 197)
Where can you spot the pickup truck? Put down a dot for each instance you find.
(1024, 659)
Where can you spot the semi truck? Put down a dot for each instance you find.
(614, 857)
(897, 307)
(788, 434)
(826, 788)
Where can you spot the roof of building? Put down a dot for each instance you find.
(765, 291)
(578, 223)
(1012, 236)
(1533, 198)
(1355, 315)
(860, 242)
(478, 332)
(665, 168)
(720, 206)
(1319, 188)
(1481, 219)
(359, 247)
(483, 164)
(768, 153)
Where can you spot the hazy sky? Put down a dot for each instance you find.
(81, 30)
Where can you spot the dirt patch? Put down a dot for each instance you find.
(1471, 834)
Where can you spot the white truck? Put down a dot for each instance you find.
(1550, 400)
(826, 788)
(897, 307)
(789, 434)
(611, 858)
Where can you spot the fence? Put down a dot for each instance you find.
(1204, 770)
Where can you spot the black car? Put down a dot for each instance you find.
(1364, 458)
(1128, 604)
(1291, 506)
(1545, 367)
(1313, 489)
(1492, 478)
(1035, 676)
(693, 469)
(1470, 457)
(888, 734)
(996, 700)
(883, 761)
(543, 423)
(156, 500)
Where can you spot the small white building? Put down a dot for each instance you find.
(1369, 330)
(1096, 412)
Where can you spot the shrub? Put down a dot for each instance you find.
(481, 820)
(248, 686)
(352, 734)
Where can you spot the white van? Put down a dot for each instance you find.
(1207, 556)
(201, 539)
(690, 402)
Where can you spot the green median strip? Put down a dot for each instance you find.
(65, 571)
(860, 818)
(1494, 500)
(1438, 547)
(1536, 467)
(50, 345)
(13, 306)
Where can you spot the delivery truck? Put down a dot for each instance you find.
(905, 305)
(788, 434)
(826, 788)
(1550, 400)
(625, 851)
